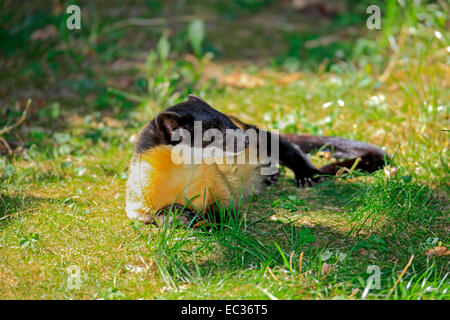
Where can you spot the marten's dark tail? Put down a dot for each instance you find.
(344, 150)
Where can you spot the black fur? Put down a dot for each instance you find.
(372, 157)
(194, 109)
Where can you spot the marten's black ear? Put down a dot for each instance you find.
(167, 121)
(193, 98)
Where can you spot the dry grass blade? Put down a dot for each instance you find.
(16, 214)
(401, 275)
(387, 72)
(273, 275)
(19, 122)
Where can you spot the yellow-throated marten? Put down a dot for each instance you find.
(158, 181)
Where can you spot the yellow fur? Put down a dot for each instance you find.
(155, 181)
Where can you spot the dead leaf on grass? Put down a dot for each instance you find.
(326, 268)
(242, 80)
(288, 78)
(390, 171)
(44, 33)
(437, 252)
(363, 252)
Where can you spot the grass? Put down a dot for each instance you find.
(63, 230)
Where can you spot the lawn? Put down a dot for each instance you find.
(64, 233)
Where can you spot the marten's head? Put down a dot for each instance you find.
(192, 116)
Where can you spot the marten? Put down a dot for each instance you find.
(159, 183)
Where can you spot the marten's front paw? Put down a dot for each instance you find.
(173, 216)
(308, 178)
(146, 219)
(271, 179)
(171, 221)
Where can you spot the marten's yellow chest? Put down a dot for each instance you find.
(155, 181)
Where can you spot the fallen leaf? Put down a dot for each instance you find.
(363, 252)
(112, 123)
(326, 268)
(44, 33)
(243, 80)
(288, 78)
(372, 256)
(390, 171)
(437, 252)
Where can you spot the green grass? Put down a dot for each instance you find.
(62, 198)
